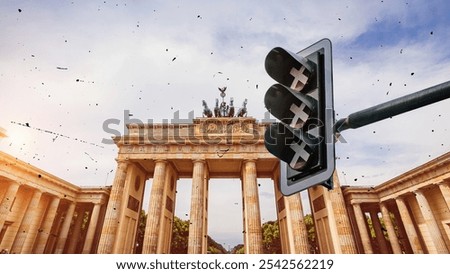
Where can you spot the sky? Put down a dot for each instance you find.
(67, 67)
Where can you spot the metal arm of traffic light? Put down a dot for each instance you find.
(394, 107)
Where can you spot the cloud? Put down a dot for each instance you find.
(393, 146)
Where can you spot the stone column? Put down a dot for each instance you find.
(90, 234)
(431, 223)
(298, 234)
(46, 227)
(28, 227)
(73, 242)
(378, 231)
(33, 231)
(344, 242)
(196, 220)
(253, 230)
(65, 229)
(408, 223)
(393, 239)
(155, 209)
(7, 202)
(111, 222)
(205, 211)
(445, 191)
(362, 228)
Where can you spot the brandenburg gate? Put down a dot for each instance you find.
(215, 147)
(221, 146)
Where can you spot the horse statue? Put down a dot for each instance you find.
(217, 109)
(206, 111)
(223, 109)
(243, 111)
(231, 110)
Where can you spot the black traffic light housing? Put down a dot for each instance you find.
(303, 102)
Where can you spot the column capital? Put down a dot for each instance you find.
(355, 203)
(417, 192)
(53, 195)
(444, 182)
(100, 203)
(249, 160)
(121, 160)
(72, 202)
(199, 160)
(18, 183)
(383, 203)
(122, 164)
(38, 190)
(160, 160)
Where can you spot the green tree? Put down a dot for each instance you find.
(140, 232)
(238, 249)
(180, 235)
(310, 228)
(271, 238)
(215, 248)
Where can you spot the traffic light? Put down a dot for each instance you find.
(303, 102)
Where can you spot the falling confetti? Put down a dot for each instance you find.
(90, 157)
(54, 133)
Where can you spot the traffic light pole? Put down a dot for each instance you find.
(394, 107)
